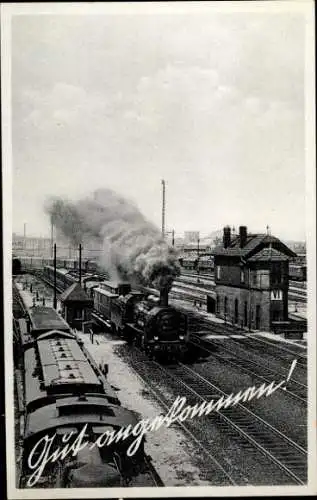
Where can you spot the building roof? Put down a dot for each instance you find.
(254, 244)
(75, 293)
(268, 254)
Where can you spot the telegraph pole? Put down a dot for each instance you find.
(173, 237)
(163, 208)
(24, 237)
(55, 296)
(80, 248)
(52, 237)
(198, 241)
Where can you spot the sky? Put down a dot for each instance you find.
(212, 103)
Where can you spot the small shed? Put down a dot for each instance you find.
(76, 306)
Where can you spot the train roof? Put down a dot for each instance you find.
(102, 291)
(115, 284)
(46, 319)
(74, 412)
(63, 362)
(60, 270)
(57, 366)
(91, 283)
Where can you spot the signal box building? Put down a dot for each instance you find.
(76, 306)
(251, 277)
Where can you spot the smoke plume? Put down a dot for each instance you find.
(132, 247)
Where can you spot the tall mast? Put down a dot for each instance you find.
(163, 208)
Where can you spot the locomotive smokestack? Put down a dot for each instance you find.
(164, 296)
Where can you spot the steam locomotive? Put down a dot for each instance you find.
(154, 326)
(67, 396)
(135, 315)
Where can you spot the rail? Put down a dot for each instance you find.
(214, 466)
(277, 447)
(295, 389)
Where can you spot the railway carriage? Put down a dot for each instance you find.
(63, 277)
(57, 364)
(94, 465)
(70, 264)
(297, 272)
(205, 263)
(67, 396)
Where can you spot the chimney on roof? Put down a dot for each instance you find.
(226, 236)
(243, 235)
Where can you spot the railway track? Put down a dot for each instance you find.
(295, 389)
(244, 426)
(298, 284)
(284, 452)
(279, 351)
(213, 466)
(297, 290)
(252, 431)
(274, 347)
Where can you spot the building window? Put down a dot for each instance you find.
(245, 313)
(236, 311)
(257, 317)
(218, 272)
(217, 304)
(226, 305)
(78, 314)
(242, 276)
(276, 273)
(276, 295)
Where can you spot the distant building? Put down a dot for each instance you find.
(251, 277)
(31, 246)
(191, 237)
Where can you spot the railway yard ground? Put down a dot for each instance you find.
(258, 442)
